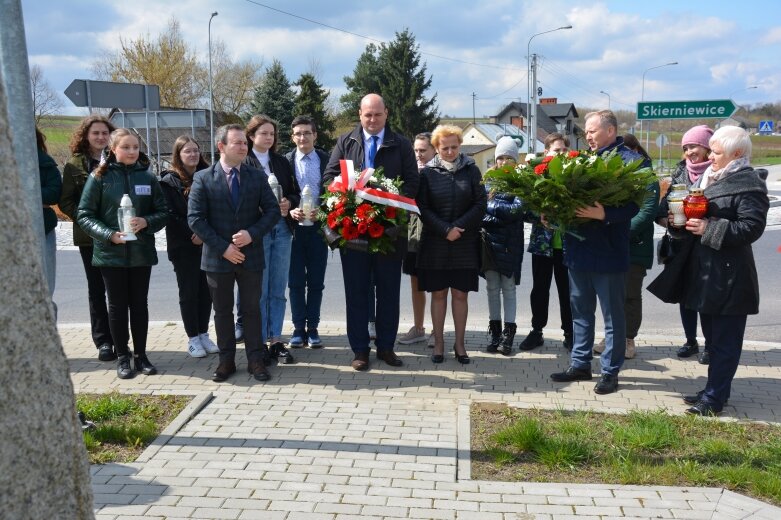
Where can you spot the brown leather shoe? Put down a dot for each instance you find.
(361, 361)
(389, 357)
(224, 370)
(258, 371)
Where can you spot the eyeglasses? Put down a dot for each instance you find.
(299, 135)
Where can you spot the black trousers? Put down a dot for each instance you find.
(221, 289)
(724, 337)
(195, 302)
(544, 269)
(96, 292)
(127, 289)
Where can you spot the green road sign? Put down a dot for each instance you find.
(717, 108)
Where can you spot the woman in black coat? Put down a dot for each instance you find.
(726, 289)
(184, 247)
(452, 203)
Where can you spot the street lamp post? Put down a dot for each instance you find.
(531, 139)
(608, 98)
(211, 95)
(642, 98)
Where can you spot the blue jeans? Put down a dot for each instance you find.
(495, 283)
(358, 267)
(276, 252)
(585, 287)
(308, 261)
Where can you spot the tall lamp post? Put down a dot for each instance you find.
(642, 98)
(531, 139)
(608, 98)
(752, 87)
(211, 95)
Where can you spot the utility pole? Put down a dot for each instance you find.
(473, 108)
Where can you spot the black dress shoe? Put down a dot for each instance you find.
(572, 374)
(533, 340)
(694, 399)
(567, 343)
(106, 352)
(123, 368)
(224, 370)
(437, 358)
(389, 357)
(689, 349)
(607, 384)
(704, 409)
(258, 371)
(704, 358)
(144, 366)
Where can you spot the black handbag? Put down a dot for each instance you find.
(664, 249)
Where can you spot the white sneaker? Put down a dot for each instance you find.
(372, 331)
(208, 345)
(195, 348)
(630, 348)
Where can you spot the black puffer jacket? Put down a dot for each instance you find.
(722, 259)
(178, 234)
(503, 228)
(450, 199)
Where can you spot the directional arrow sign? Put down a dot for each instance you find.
(717, 108)
(107, 94)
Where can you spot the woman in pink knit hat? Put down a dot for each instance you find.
(694, 163)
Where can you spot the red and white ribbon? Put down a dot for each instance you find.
(349, 181)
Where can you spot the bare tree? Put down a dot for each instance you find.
(167, 61)
(232, 82)
(46, 101)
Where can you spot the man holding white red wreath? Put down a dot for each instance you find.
(373, 145)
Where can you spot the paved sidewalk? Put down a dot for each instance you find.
(322, 441)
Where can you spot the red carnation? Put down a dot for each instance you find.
(547, 159)
(333, 220)
(573, 153)
(362, 227)
(540, 168)
(390, 212)
(347, 222)
(364, 211)
(376, 230)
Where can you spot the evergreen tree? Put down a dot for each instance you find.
(275, 98)
(395, 72)
(311, 101)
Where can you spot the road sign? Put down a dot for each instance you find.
(107, 94)
(160, 119)
(717, 108)
(661, 141)
(766, 127)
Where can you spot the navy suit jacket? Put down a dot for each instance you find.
(213, 217)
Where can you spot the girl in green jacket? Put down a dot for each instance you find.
(125, 266)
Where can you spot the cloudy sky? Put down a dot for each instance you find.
(721, 47)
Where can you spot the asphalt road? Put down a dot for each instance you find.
(658, 318)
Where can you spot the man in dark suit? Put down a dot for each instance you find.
(230, 208)
(309, 255)
(372, 145)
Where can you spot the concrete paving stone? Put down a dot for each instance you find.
(166, 500)
(257, 484)
(365, 500)
(262, 515)
(550, 509)
(229, 492)
(291, 505)
(345, 489)
(384, 511)
(644, 511)
(432, 514)
(502, 507)
(308, 487)
(478, 515)
(692, 514)
(456, 505)
(201, 472)
(412, 484)
(217, 514)
(597, 510)
(201, 501)
(125, 510)
(187, 491)
(295, 515)
(273, 494)
(112, 498)
(166, 511)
